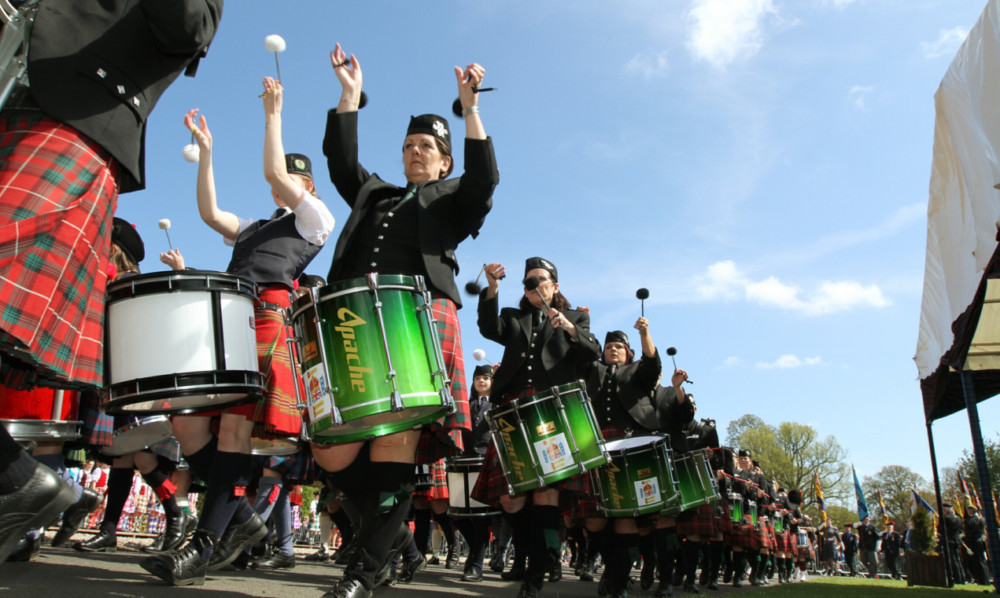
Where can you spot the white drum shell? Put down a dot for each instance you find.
(462, 477)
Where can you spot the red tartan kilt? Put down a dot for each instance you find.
(585, 505)
(783, 542)
(297, 468)
(722, 522)
(438, 489)
(699, 521)
(743, 536)
(58, 191)
(492, 483)
(772, 542)
(442, 438)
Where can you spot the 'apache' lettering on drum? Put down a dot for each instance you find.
(348, 321)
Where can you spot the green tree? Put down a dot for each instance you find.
(895, 482)
(967, 466)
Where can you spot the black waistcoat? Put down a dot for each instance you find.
(272, 252)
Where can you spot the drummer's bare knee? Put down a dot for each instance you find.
(192, 432)
(234, 433)
(396, 448)
(335, 457)
(512, 504)
(546, 497)
(595, 524)
(145, 462)
(626, 525)
(123, 462)
(439, 507)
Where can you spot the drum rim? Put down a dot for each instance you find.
(48, 429)
(142, 285)
(115, 402)
(537, 397)
(660, 439)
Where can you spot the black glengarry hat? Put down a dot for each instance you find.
(124, 235)
(539, 262)
(430, 124)
(298, 164)
(617, 336)
(745, 453)
(483, 370)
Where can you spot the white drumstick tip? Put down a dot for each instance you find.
(164, 223)
(274, 43)
(191, 152)
(479, 354)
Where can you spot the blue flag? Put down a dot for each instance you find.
(862, 505)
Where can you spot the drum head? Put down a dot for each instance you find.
(274, 447)
(625, 444)
(40, 430)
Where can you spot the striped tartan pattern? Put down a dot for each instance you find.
(438, 489)
(443, 438)
(58, 192)
(276, 414)
(699, 521)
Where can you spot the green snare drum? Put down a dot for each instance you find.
(696, 480)
(638, 479)
(735, 507)
(752, 513)
(547, 437)
(779, 521)
(371, 358)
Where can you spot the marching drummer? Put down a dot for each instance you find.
(272, 252)
(411, 230)
(546, 344)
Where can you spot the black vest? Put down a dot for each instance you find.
(271, 252)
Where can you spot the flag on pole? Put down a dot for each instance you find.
(819, 499)
(918, 502)
(881, 508)
(968, 493)
(958, 504)
(862, 504)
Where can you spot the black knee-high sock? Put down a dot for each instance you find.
(344, 524)
(753, 557)
(226, 488)
(647, 549)
(119, 487)
(443, 520)
(422, 529)
(667, 543)
(625, 551)
(201, 461)
(16, 465)
(387, 504)
(692, 551)
(545, 521)
(520, 531)
(165, 490)
(739, 564)
(714, 560)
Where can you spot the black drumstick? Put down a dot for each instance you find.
(671, 352)
(473, 287)
(642, 295)
(456, 106)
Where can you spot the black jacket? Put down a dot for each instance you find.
(449, 211)
(101, 66)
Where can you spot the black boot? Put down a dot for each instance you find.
(25, 550)
(739, 565)
(74, 516)
(184, 567)
(235, 539)
(102, 542)
(647, 548)
(174, 534)
(520, 527)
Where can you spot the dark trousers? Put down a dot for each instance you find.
(851, 559)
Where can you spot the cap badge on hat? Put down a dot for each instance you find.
(439, 129)
(300, 164)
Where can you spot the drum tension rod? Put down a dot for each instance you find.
(396, 400)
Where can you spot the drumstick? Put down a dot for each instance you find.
(642, 295)
(671, 352)
(165, 225)
(275, 43)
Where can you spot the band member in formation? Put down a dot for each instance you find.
(892, 543)
(850, 541)
(431, 502)
(546, 343)
(273, 253)
(53, 337)
(868, 538)
(830, 546)
(975, 541)
(412, 230)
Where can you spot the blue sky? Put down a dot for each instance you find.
(761, 166)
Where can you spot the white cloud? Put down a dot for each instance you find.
(723, 281)
(789, 361)
(858, 94)
(648, 66)
(840, 4)
(946, 44)
(730, 362)
(724, 31)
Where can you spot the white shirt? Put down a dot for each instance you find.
(313, 220)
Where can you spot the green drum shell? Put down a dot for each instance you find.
(779, 522)
(696, 481)
(535, 437)
(735, 507)
(752, 512)
(638, 479)
(345, 366)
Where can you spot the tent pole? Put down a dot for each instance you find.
(982, 472)
(937, 495)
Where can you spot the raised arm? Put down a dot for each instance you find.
(350, 79)
(275, 171)
(222, 222)
(469, 79)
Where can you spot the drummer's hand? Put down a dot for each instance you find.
(201, 134)
(173, 258)
(558, 320)
(642, 325)
(494, 272)
(677, 379)
(471, 76)
(273, 92)
(350, 78)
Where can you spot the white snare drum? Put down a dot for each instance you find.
(425, 478)
(274, 447)
(462, 476)
(137, 434)
(180, 342)
(40, 415)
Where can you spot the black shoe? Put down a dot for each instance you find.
(102, 542)
(498, 562)
(235, 539)
(349, 587)
(434, 560)
(472, 573)
(691, 587)
(529, 589)
(344, 553)
(320, 556)
(278, 560)
(604, 584)
(555, 570)
(410, 569)
(713, 584)
(516, 573)
(174, 534)
(588, 570)
(665, 589)
(452, 560)
(183, 567)
(646, 576)
(74, 515)
(403, 539)
(34, 505)
(25, 550)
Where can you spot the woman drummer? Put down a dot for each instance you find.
(273, 253)
(411, 231)
(546, 344)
